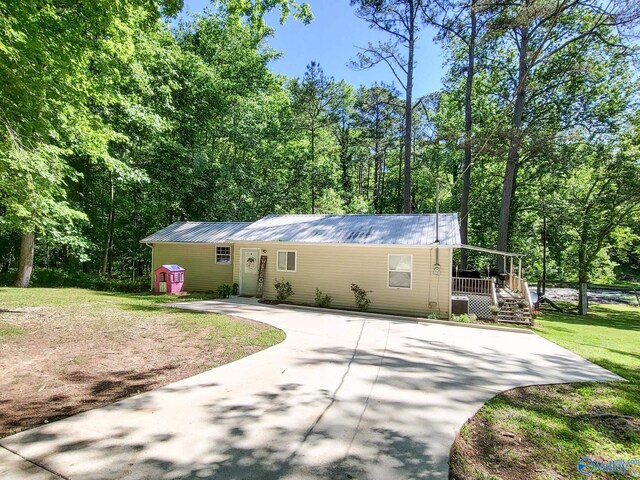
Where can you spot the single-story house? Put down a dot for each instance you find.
(403, 261)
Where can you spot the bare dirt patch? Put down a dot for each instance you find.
(58, 361)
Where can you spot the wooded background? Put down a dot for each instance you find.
(115, 122)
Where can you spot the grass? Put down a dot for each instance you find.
(9, 331)
(67, 350)
(541, 432)
(96, 307)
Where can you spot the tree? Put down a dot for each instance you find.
(47, 91)
(315, 98)
(541, 31)
(459, 22)
(400, 20)
(379, 117)
(601, 195)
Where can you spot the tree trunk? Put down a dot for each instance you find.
(515, 141)
(583, 300)
(468, 124)
(408, 115)
(107, 260)
(25, 266)
(399, 192)
(583, 272)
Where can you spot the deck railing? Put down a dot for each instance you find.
(520, 286)
(494, 295)
(481, 286)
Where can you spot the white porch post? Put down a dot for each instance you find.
(511, 272)
(520, 267)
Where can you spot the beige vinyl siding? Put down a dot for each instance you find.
(202, 273)
(332, 269)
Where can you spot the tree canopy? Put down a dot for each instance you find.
(116, 119)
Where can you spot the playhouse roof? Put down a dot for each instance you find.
(173, 268)
(354, 229)
(196, 232)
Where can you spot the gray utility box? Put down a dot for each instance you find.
(459, 304)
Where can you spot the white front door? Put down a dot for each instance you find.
(249, 266)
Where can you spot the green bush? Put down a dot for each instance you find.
(224, 290)
(464, 318)
(235, 289)
(361, 297)
(283, 289)
(323, 300)
(494, 309)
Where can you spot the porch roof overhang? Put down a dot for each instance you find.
(489, 250)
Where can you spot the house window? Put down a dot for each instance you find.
(286, 261)
(399, 274)
(223, 255)
(163, 277)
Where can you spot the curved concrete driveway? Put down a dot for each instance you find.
(344, 396)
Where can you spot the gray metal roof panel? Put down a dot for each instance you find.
(196, 232)
(356, 229)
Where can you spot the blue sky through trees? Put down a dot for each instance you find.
(332, 40)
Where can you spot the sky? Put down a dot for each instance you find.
(332, 39)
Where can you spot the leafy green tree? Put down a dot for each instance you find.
(315, 101)
(542, 31)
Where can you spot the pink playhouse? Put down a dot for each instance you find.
(168, 279)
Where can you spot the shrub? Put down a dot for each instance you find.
(494, 309)
(464, 318)
(323, 300)
(361, 297)
(522, 304)
(224, 290)
(235, 289)
(283, 289)
(58, 278)
(432, 316)
(501, 303)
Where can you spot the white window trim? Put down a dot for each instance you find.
(410, 287)
(295, 265)
(230, 262)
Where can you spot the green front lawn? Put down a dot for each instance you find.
(541, 432)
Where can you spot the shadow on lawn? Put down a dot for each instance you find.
(390, 426)
(101, 389)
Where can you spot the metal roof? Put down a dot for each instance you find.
(196, 232)
(356, 229)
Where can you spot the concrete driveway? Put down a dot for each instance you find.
(343, 397)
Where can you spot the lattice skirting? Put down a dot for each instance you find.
(479, 305)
